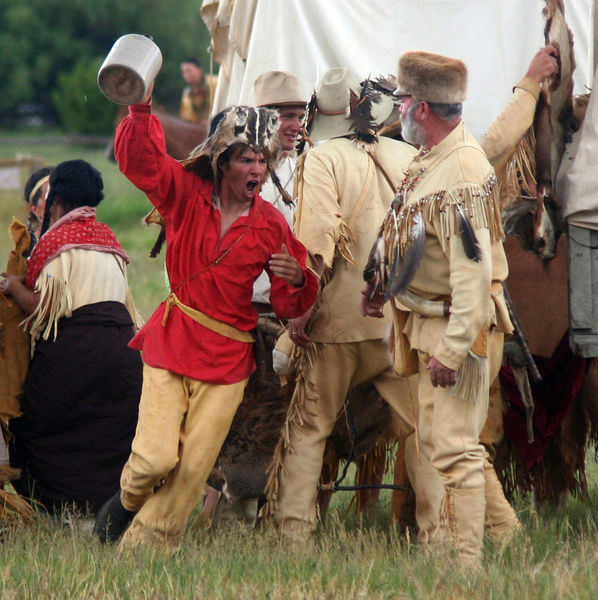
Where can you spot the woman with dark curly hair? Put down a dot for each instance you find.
(82, 390)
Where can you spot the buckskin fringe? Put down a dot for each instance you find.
(343, 240)
(479, 203)
(298, 417)
(55, 302)
(370, 469)
(472, 378)
(518, 173)
(13, 507)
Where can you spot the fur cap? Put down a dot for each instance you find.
(432, 77)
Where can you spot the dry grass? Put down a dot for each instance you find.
(554, 558)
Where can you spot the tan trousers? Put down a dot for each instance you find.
(181, 428)
(337, 368)
(450, 426)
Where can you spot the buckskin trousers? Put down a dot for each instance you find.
(181, 428)
(336, 369)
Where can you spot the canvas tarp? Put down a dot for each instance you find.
(307, 37)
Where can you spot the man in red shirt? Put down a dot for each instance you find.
(196, 347)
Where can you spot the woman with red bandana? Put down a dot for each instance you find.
(81, 394)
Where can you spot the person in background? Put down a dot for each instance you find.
(82, 390)
(449, 209)
(345, 188)
(35, 193)
(196, 97)
(280, 91)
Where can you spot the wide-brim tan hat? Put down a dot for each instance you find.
(279, 88)
(432, 77)
(331, 117)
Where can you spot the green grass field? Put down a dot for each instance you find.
(556, 556)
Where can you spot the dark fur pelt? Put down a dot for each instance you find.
(240, 470)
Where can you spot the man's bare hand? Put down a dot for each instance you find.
(544, 64)
(297, 328)
(440, 375)
(286, 267)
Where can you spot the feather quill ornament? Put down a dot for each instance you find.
(468, 236)
(399, 282)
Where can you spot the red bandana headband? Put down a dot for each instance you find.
(77, 229)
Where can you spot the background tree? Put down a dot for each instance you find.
(40, 40)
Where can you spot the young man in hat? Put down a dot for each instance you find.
(280, 91)
(344, 193)
(197, 346)
(450, 211)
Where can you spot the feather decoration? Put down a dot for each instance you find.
(399, 282)
(375, 266)
(385, 84)
(157, 247)
(468, 236)
(360, 113)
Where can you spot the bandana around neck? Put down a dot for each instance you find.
(77, 229)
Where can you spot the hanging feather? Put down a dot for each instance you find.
(375, 267)
(468, 236)
(155, 218)
(157, 247)
(385, 84)
(399, 282)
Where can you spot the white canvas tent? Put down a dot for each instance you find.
(495, 38)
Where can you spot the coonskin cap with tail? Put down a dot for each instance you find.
(256, 127)
(432, 77)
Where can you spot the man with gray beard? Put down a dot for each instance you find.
(449, 208)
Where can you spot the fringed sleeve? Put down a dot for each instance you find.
(55, 301)
(512, 123)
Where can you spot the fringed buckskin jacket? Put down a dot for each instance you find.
(455, 172)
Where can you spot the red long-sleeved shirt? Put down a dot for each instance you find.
(192, 231)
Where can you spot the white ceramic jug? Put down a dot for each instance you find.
(129, 69)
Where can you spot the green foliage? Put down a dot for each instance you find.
(42, 39)
(79, 103)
